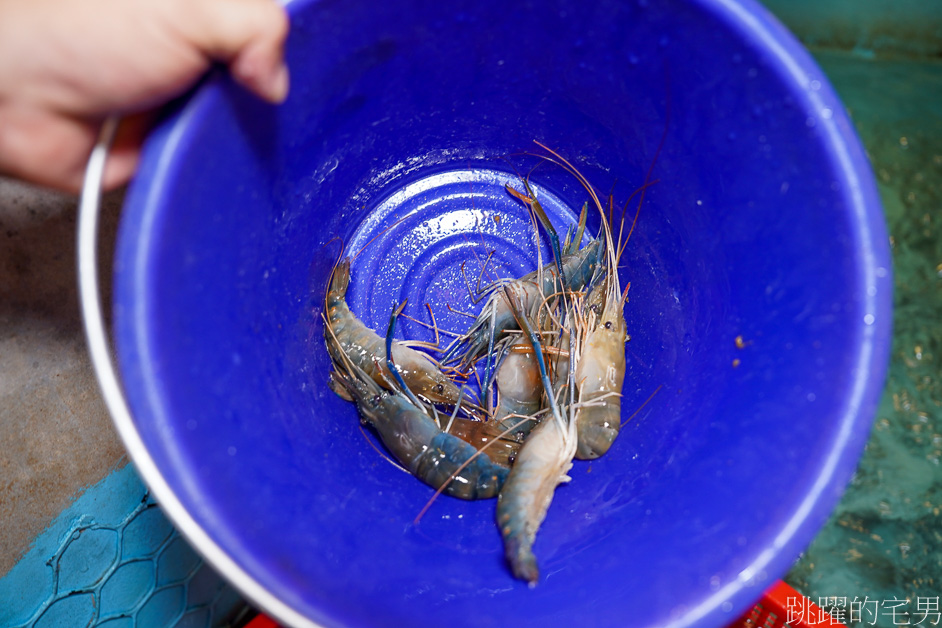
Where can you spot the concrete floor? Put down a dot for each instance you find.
(56, 434)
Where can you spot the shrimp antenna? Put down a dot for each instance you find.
(346, 363)
(380, 452)
(476, 295)
(341, 246)
(660, 146)
(624, 295)
(641, 407)
(566, 165)
(454, 414)
(624, 243)
(378, 235)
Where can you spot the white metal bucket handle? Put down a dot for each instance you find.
(90, 298)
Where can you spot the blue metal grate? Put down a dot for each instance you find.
(114, 560)
(138, 573)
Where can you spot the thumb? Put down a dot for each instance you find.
(249, 35)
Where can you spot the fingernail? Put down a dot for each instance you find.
(277, 88)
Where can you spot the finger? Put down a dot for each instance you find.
(45, 148)
(261, 69)
(53, 150)
(249, 35)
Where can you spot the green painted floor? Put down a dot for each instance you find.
(882, 547)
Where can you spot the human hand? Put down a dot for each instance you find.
(65, 65)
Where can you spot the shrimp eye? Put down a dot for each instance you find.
(608, 324)
(375, 400)
(439, 388)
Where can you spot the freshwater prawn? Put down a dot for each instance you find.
(367, 350)
(542, 464)
(600, 368)
(441, 460)
(600, 373)
(554, 341)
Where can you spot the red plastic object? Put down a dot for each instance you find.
(783, 607)
(261, 621)
(779, 604)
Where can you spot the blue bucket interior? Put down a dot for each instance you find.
(403, 124)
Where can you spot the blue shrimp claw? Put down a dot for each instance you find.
(576, 232)
(531, 201)
(390, 364)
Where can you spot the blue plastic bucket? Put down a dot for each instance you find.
(759, 304)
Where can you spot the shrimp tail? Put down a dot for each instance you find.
(596, 438)
(519, 551)
(519, 517)
(349, 339)
(541, 465)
